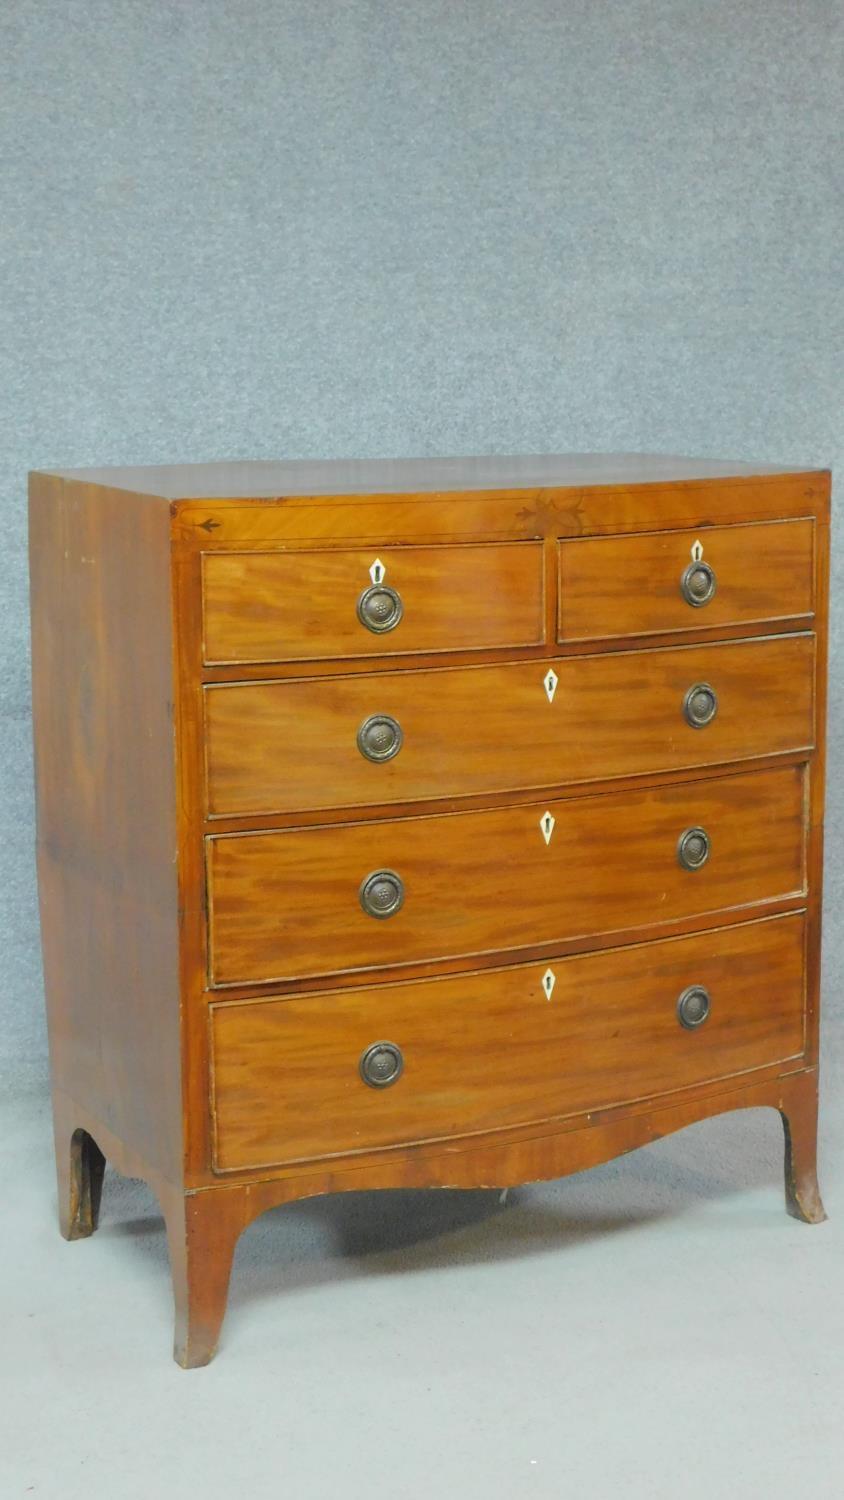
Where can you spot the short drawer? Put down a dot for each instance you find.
(713, 576)
(508, 1047)
(358, 896)
(405, 736)
(297, 606)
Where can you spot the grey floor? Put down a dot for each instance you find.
(657, 1327)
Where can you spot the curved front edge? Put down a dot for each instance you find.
(203, 1224)
(574, 1147)
(214, 1216)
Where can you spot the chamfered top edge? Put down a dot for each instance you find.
(267, 479)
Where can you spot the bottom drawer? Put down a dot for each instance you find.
(505, 1047)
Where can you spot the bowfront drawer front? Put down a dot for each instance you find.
(328, 1074)
(685, 580)
(405, 736)
(321, 900)
(311, 605)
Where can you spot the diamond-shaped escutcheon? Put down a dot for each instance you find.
(549, 979)
(549, 682)
(377, 571)
(546, 823)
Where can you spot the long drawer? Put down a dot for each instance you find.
(503, 1048)
(320, 900)
(305, 605)
(405, 736)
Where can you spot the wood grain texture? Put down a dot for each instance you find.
(291, 746)
(815, 806)
(630, 585)
(276, 479)
(281, 606)
(80, 1169)
(106, 808)
(285, 905)
(127, 939)
(202, 1234)
(221, 1212)
(802, 1194)
(479, 515)
(486, 1051)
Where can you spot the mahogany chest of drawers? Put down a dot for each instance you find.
(426, 823)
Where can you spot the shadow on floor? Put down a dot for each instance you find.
(318, 1240)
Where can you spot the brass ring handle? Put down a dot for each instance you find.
(700, 705)
(698, 584)
(381, 1065)
(381, 894)
(693, 848)
(693, 1006)
(380, 608)
(380, 737)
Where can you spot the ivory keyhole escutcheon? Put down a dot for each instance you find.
(546, 823)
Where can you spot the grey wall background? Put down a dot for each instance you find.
(255, 229)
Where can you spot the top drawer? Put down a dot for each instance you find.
(298, 606)
(685, 580)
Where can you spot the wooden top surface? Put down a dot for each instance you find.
(384, 476)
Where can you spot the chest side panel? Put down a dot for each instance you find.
(107, 837)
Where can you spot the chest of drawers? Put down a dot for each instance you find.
(426, 823)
